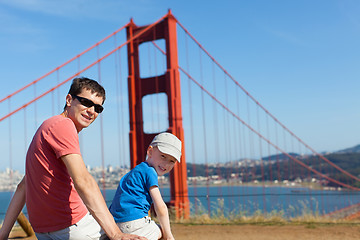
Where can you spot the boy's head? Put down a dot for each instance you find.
(168, 143)
(164, 151)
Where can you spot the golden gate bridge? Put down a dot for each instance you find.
(158, 78)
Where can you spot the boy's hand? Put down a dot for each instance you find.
(125, 236)
(169, 238)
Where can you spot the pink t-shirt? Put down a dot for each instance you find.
(51, 199)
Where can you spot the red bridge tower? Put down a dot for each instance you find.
(169, 83)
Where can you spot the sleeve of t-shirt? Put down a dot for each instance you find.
(63, 138)
(151, 178)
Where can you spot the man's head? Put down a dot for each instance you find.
(84, 102)
(81, 83)
(164, 151)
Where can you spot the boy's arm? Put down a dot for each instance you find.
(16, 205)
(89, 192)
(161, 212)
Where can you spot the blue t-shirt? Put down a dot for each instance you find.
(132, 199)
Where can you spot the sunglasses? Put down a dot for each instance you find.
(88, 103)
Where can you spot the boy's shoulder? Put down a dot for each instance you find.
(143, 167)
(141, 174)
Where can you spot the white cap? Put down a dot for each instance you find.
(168, 143)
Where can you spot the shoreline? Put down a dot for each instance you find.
(266, 185)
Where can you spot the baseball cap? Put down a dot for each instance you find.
(168, 143)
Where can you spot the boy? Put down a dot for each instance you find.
(139, 188)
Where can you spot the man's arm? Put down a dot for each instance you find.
(161, 212)
(89, 192)
(16, 205)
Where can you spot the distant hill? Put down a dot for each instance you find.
(355, 149)
(279, 157)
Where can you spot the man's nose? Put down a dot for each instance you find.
(91, 109)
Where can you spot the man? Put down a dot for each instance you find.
(62, 198)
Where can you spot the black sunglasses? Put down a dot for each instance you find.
(88, 103)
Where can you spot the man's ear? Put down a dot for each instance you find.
(69, 99)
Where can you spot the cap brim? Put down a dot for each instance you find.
(172, 151)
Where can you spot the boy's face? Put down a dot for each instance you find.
(81, 115)
(161, 162)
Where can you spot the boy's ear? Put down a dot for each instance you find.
(149, 151)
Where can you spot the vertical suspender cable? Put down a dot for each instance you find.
(322, 187)
(310, 188)
(277, 162)
(52, 103)
(216, 129)
(227, 143)
(122, 107)
(292, 168)
(261, 161)
(268, 151)
(204, 135)
(285, 164)
(117, 83)
(194, 183)
(240, 155)
(251, 151)
(269, 164)
(244, 165)
(25, 133)
(35, 109)
(238, 150)
(234, 166)
(79, 62)
(58, 92)
(101, 132)
(10, 149)
(279, 178)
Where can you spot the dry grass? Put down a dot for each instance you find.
(265, 220)
(305, 216)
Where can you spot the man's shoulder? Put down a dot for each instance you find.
(57, 120)
(57, 124)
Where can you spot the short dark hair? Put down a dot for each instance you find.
(80, 83)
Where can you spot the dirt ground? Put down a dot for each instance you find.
(252, 232)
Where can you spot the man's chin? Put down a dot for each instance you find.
(84, 125)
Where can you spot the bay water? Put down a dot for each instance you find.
(247, 200)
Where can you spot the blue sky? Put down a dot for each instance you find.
(299, 59)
